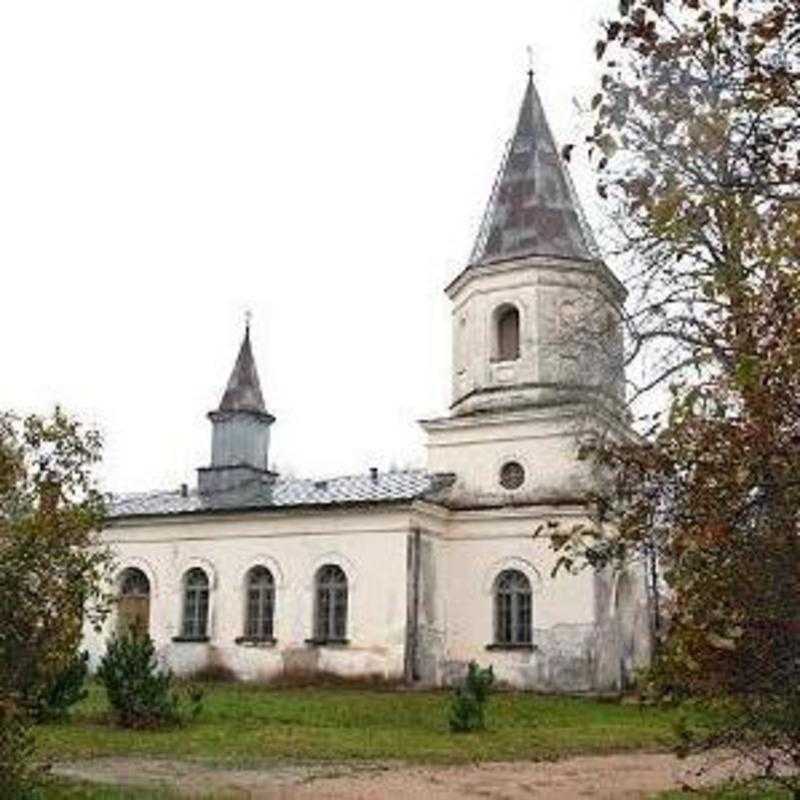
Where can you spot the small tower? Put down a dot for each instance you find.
(241, 427)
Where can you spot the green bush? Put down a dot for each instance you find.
(467, 711)
(142, 695)
(67, 689)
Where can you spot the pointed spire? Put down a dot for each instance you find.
(243, 392)
(533, 210)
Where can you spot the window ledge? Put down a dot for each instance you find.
(190, 639)
(255, 641)
(499, 646)
(328, 642)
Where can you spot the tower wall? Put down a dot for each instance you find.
(570, 342)
(239, 438)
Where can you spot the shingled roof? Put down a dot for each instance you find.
(533, 209)
(243, 392)
(284, 493)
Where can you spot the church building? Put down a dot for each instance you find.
(410, 575)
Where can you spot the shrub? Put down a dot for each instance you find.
(66, 689)
(141, 694)
(467, 711)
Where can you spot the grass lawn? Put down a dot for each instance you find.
(248, 725)
(68, 790)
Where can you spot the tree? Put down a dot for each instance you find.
(697, 144)
(52, 568)
(695, 140)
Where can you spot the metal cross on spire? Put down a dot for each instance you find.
(248, 318)
(529, 50)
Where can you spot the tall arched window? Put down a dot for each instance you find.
(195, 604)
(507, 333)
(513, 618)
(260, 604)
(331, 604)
(133, 609)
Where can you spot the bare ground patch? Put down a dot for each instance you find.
(617, 777)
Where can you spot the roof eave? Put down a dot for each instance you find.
(300, 507)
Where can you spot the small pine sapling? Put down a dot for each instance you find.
(141, 694)
(468, 707)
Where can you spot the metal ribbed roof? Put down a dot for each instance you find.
(533, 209)
(243, 392)
(283, 493)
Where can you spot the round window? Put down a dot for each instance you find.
(512, 475)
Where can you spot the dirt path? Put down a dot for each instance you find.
(617, 777)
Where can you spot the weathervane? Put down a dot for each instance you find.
(529, 50)
(248, 316)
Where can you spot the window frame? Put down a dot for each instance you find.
(499, 315)
(196, 604)
(331, 605)
(513, 611)
(259, 627)
(129, 595)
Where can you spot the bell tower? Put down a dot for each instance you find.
(537, 340)
(534, 298)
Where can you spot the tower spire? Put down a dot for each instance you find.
(243, 392)
(533, 209)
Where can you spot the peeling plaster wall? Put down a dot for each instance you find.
(431, 642)
(565, 637)
(561, 307)
(370, 547)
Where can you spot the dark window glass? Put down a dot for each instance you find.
(508, 334)
(134, 582)
(513, 606)
(195, 604)
(331, 607)
(260, 603)
(512, 475)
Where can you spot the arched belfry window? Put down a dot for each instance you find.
(513, 609)
(506, 333)
(195, 604)
(133, 609)
(260, 604)
(331, 604)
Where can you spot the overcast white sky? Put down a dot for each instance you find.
(166, 165)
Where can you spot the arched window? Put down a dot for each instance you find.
(133, 609)
(506, 333)
(513, 619)
(195, 604)
(331, 604)
(260, 604)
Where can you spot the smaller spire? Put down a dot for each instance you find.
(243, 392)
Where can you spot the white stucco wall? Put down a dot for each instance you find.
(369, 546)
(544, 441)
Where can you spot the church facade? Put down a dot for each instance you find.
(410, 575)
